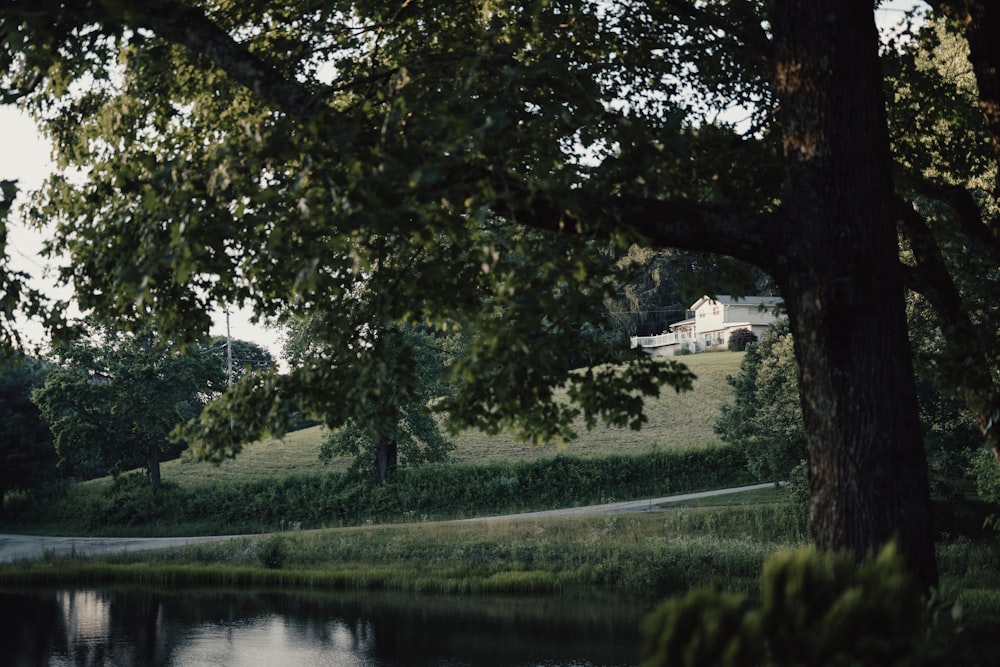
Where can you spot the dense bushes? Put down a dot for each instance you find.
(428, 492)
(815, 609)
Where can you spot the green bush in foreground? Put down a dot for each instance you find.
(816, 609)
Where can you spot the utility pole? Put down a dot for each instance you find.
(229, 353)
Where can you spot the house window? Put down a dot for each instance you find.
(715, 310)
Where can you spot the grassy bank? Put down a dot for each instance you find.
(645, 555)
(676, 421)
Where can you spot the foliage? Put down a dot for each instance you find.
(765, 419)
(246, 357)
(27, 457)
(396, 426)
(948, 161)
(816, 609)
(432, 491)
(272, 552)
(739, 340)
(116, 398)
(987, 475)
(463, 165)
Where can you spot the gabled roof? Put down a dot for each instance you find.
(727, 300)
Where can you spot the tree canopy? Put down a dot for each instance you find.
(116, 399)
(459, 162)
(765, 419)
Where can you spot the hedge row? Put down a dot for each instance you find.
(420, 493)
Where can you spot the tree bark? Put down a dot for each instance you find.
(386, 455)
(153, 463)
(843, 288)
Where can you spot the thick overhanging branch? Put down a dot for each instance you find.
(190, 27)
(758, 238)
(755, 237)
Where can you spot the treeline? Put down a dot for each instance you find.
(131, 505)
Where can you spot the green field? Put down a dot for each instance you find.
(675, 420)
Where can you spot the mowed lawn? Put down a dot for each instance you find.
(675, 420)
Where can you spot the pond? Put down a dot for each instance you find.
(272, 628)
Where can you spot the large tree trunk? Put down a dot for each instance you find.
(845, 299)
(385, 458)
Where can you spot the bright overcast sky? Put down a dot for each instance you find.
(24, 156)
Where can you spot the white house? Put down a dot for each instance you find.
(712, 321)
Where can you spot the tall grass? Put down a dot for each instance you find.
(644, 555)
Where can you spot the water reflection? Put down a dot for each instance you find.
(188, 628)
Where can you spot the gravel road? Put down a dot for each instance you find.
(31, 547)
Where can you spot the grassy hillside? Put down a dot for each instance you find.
(675, 420)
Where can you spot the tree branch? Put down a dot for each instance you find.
(965, 343)
(755, 237)
(751, 33)
(190, 27)
(10, 96)
(985, 236)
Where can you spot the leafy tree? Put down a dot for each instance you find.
(116, 397)
(409, 430)
(951, 435)
(26, 453)
(765, 418)
(246, 357)
(273, 154)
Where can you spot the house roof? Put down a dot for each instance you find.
(727, 300)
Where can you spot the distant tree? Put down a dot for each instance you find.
(27, 456)
(392, 427)
(765, 418)
(116, 397)
(246, 356)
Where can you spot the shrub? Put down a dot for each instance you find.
(739, 340)
(816, 609)
(987, 473)
(272, 552)
(427, 492)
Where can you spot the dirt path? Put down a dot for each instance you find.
(32, 547)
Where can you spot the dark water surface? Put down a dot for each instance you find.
(195, 627)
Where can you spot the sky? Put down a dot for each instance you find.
(24, 156)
